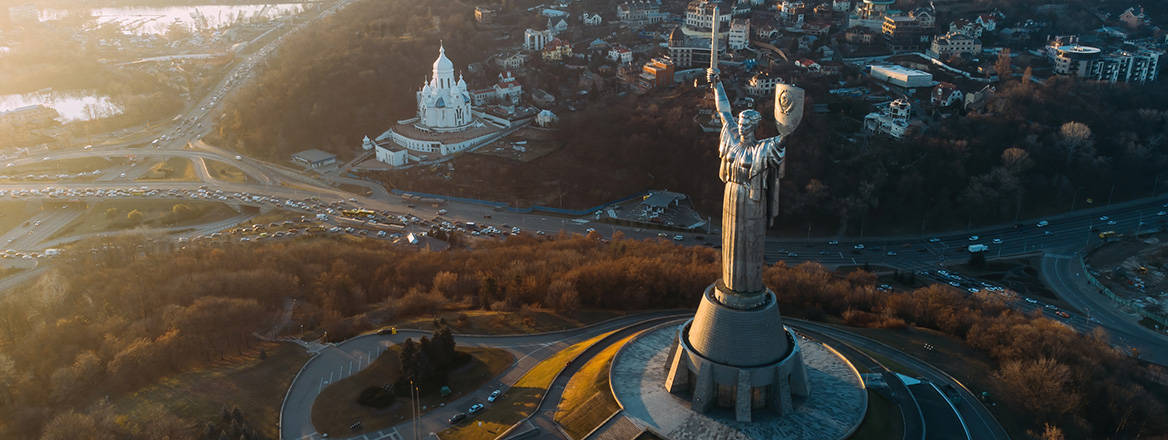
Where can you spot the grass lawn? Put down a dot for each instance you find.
(519, 400)
(13, 213)
(883, 420)
(173, 169)
(112, 215)
(222, 171)
(336, 408)
(63, 166)
(482, 322)
(256, 386)
(588, 400)
(973, 368)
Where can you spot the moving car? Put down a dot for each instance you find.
(454, 419)
(475, 409)
(1042, 224)
(494, 395)
(934, 240)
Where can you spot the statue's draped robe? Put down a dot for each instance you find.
(750, 202)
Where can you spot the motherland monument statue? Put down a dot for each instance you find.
(735, 352)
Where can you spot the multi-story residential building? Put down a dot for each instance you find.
(640, 12)
(950, 44)
(485, 15)
(790, 10)
(761, 84)
(658, 72)
(512, 61)
(912, 31)
(870, 13)
(687, 52)
(739, 33)
(946, 94)
(557, 50)
(965, 26)
(535, 40)
(699, 17)
(1121, 65)
(591, 19)
(620, 54)
(892, 120)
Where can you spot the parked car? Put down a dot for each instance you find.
(494, 395)
(475, 409)
(454, 419)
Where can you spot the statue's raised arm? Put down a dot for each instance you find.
(721, 101)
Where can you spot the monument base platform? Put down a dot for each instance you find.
(833, 409)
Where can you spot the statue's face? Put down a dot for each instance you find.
(748, 121)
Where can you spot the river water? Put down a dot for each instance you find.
(139, 20)
(72, 106)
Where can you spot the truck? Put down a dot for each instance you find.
(975, 248)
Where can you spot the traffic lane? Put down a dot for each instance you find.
(982, 424)
(1060, 273)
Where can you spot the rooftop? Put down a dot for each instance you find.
(314, 155)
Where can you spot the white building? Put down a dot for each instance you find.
(699, 17)
(739, 33)
(444, 125)
(443, 103)
(954, 44)
(559, 27)
(506, 91)
(640, 12)
(546, 118)
(761, 84)
(535, 40)
(901, 76)
(620, 54)
(591, 19)
(512, 61)
(892, 120)
(1136, 65)
(966, 27)
(946, 94)
(790, 10)
(841, 5)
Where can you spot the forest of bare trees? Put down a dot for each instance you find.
(131, 312)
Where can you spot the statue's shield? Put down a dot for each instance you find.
(788, 108)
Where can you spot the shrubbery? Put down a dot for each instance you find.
(131, 311)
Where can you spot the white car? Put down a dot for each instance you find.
(934, 240)
(858, 246)
(679, 237)
(996, 241)
(494, 395)
(1042, 224)
(1103, 218)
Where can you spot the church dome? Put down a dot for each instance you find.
(443, 64)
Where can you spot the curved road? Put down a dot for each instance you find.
(337, 361)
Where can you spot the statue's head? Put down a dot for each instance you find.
(748, 121)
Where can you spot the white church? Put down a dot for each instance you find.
(445, 123)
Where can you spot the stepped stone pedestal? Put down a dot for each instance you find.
(735, 353)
